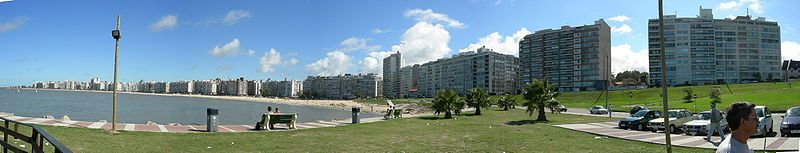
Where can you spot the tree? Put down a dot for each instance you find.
(507, 101)
(540, 95)
(689, 95)
(446, 102)
(757, 76)
(715, 95)
(478, 98)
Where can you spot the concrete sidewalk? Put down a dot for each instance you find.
(188, 128)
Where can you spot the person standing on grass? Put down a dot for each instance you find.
(742, 120)
(716, 116)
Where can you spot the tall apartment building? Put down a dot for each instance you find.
(182, 87)
(703, 50)
(285, 88)
(345, 86)
(494, 72)
(409, 81)
(573, 58)
(391, 75)
(235, 87)
(254, 88)
(206, 87)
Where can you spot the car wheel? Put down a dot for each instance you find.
(770, 130)
(641, 127)
(624, 128)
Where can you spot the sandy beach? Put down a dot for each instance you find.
(335, 104)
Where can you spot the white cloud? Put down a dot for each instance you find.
(423, 42)
(625, 28)
(380, 31)
(229, 49)
(234, 16)
(166, 22)
(251, 52)
(12, 24)
(356, 44)
(334, 63)
(429, 16)
(501, 44)
(621, 18)
(790, 50)
(371, 65)
(754, 5)
(271, 58)
(624, 58)
(5, 1)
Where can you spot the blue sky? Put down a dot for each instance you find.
(182, 40)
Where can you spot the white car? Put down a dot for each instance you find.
(676, 120)
(700, 124)
(764, 120)
(598, 110)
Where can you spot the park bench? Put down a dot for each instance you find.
(268, 120)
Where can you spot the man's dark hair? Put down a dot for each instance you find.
(269, 108)
(738, 111)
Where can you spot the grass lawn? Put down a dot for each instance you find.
(495, 131)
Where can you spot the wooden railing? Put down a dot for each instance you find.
(37, 140)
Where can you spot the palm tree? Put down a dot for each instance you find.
(477, 98)
(539, 95)
(507, 101)
(446, 101)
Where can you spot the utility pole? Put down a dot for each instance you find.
(608, 74)
(115, 33)
(664, 75)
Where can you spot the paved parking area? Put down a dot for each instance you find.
(610, 129)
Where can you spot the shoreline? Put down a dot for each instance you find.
(333, 104)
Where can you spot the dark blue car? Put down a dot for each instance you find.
(639, 120)
(791, 122)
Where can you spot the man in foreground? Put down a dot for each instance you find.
(742, 120)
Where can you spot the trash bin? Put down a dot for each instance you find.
(355, 111)
(212, 114)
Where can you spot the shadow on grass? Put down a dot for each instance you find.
(524, 122)
(433, 118)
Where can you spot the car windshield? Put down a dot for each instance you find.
(760, 112)
(673, 114)
(597, 107)
(794, 112)
(703, 116)
(639, 114)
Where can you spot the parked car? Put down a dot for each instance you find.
(700, 124)
(598, 110)
(764, 120)
(639, 120)
(791, 122)
(635, 109)
(676, 120)
(561, 108)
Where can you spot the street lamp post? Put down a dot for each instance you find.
(115, 33)
(664, 74)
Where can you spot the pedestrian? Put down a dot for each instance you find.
(742, 120)
(269, 109)
(716, 116)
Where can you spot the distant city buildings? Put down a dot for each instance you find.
(182, 87)
(345, 86)
(494, 72)
(702, 50)
(791, 69)
(206, 87)
(285, 88)
(573, 58)
(234, 87)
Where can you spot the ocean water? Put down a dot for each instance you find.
(135, 108)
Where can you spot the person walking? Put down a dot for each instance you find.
(716, 116)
